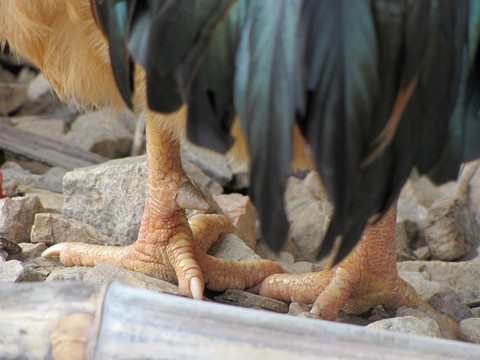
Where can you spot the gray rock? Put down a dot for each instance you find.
(440, 297)
(11, 271)
(231, 247)
(16, 217)
(42, 100)
(308, 213)
(422, 253)
(101, 133)
(249, 300)
(213, 164)
(51, 180)
(31, 251)
(12, 97)
(296, 309)
(241, 213)
(75, 273)
(462, 277)
(471, 329)
(421, 190)
(201, 178)
(413, 216)
(40, 268)
(55, 228)
(107, 273)
(109, 196)
(50, 128)
(408, 325)
(450, 229)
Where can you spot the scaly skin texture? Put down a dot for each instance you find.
(165, 247)
(367, 277)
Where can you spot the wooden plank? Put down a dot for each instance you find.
(130, 323)
(30, 311)
(44, 150)
(138, 324)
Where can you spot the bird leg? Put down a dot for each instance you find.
(367, 277)
(170, 247)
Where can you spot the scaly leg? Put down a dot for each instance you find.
(165, 248)
(367, 277)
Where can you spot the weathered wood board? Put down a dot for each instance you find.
(44, 150)
(139, 324)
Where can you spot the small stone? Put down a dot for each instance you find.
(92, 196)
(50, 128)
(475, 311)
(55, 228)
(11, 271)
(461, 277)
(408, 325)
(100, 133)
(12, 97)
(31, 251)
(40, 268)
(249, 300)
(231, 247)
(422, 253)
(308, 212)
(471, 329)
(75, 273)
(450, 229)
(201, 178)
(440, 297)
(16, 217)
(212, 163)
(107, 273)
(296, 309)
(239, 209)
(413, 216)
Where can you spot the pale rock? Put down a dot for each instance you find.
(100, 133)
(413, 216)
(296, 309)
(408, 325)
(31, 251)
(56, 228)
(74, 273)
(12, 97)
(461, 277)
(16, 217)
(39, 268)
(471, 329)
(450, 229)
(239, 209)
(11, 271)
(214, 164)
(201, 178)
(421, 190)
(109, 196)
(308, 212)
(231, 247)
(50, 128)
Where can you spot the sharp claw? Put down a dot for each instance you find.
(54, 250)
(196, 288)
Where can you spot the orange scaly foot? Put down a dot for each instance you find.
(367, 277)
(170, 247)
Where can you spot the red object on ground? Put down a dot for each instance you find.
(2, 195)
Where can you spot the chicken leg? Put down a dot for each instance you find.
(169, 246)
(367, 277)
